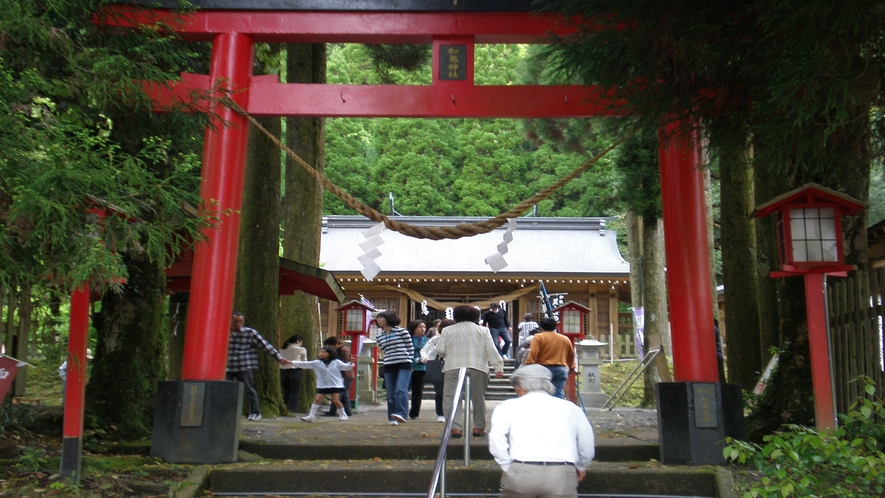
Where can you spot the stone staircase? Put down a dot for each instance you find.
(366, 457)
(499, 389)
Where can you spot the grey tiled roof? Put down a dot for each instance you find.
(541, 246)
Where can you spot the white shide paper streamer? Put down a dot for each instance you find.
(370, 246)
(496, 261)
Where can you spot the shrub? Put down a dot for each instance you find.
(802, 462)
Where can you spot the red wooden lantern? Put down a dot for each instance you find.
(809, 233)
(357, 318)
(571, 320)
(809, 229)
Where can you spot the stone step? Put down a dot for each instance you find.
(498, 389)
(481, 478)
(426, 448)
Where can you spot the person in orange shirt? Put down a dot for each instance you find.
(553, 351)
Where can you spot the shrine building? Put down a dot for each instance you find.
(575, 258)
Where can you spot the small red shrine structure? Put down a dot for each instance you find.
(809, 236)
(572, 317)
(357, 317)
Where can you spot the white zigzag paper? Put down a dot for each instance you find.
(370, 245)
(496, 261)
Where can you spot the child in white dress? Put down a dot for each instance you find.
(329, 380)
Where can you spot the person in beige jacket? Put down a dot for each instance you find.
(466, 344)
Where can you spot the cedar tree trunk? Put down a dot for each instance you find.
(739, 265)
(303, 207)
(257, 288)
(130, 351)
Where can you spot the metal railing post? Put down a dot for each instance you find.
(439, 470)
(442, 481)
(467, 427)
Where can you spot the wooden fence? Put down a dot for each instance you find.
(856, 326)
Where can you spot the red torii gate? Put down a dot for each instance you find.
(453, 93)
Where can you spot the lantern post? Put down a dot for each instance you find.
(357, 318)
(809, 236)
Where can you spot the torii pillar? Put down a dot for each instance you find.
(197, 419)
(696, 412)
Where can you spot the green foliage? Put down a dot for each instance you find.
(66, 89)
(802, 462)
(31, 460)
(877, 196)
(613, 374)
(639, 169)
(405, 57)
(66, 487)
(794, 74)
(460, 167)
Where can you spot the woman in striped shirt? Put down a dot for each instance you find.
(396, 344)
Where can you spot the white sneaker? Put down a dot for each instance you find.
(441, 419)
(393, 422)
(398, 418)
(342, 416)
(307, 418)
(255, 416)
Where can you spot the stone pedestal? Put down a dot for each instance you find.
(589, 359)
(694, 418)
(197, 421)
(365, 393)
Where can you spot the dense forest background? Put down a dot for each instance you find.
(462, 167)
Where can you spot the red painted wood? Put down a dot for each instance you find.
(78, 338)
(818, 344)
(355, 359)
(344, 27)
(444, 100)
(221, 188)
(688, 270)
(441, 100)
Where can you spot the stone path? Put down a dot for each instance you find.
(369, 426)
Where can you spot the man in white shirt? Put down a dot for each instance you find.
(542, 443)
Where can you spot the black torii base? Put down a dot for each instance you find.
(197, 421)
(694, 418)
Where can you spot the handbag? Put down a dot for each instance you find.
(435, 372)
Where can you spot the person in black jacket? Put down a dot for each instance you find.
(499, 326)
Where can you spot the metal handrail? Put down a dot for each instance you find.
(439, 470)
(637, 370)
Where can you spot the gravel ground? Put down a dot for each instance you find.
(369, 425)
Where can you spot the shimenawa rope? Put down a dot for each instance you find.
(424, 232)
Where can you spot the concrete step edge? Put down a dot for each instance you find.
(427, 449)
(410, 476)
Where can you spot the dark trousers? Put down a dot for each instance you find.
(504, 334)
(249, 389)
(438, 398)
(417, 392)
(344, 399)
(290, 384)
